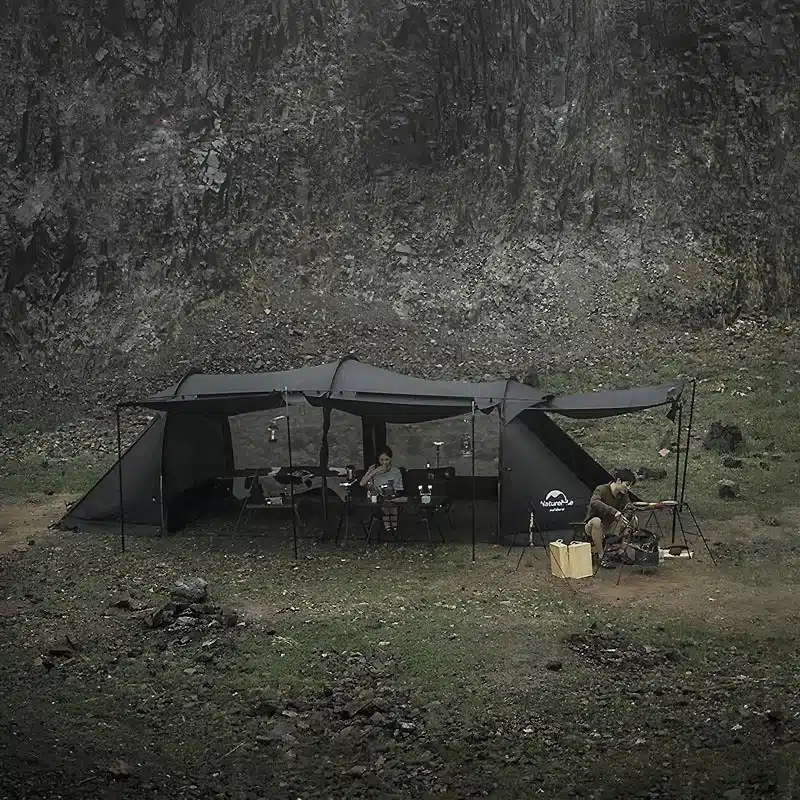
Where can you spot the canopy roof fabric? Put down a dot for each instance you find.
(359, 388)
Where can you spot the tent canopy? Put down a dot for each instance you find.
(175, 464)
(362, 389)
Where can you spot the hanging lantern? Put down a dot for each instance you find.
(273, 432)
(438, 450)
(466, 445)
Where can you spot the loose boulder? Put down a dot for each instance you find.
(190, 590)
(728, 489)
(723, 438)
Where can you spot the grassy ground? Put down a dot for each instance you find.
(409, 671)
(393, 672)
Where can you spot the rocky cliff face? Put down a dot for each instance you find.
(495, 172)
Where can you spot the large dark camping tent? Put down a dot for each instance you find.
(187, 452)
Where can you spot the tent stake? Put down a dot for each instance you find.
(291, 471)
(473, 480)
(688, 440)
(119, 475)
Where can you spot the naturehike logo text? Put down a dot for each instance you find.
(556, 500)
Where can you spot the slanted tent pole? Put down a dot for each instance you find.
(291, 473)
(119, 476)
(688, 441)
(473, 480)
(677, 468)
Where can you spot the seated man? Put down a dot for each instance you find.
(604, 518)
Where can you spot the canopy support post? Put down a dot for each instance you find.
(473, 480)
(323, 460)
(368, 439)
(688, 441)
(677, 468)
(499, 473)
(291, 471)
(119, 476)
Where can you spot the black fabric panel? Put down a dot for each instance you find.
(141, 470)
(545, 468)
(197, 451)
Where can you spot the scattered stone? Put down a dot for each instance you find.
(723, 438)
(403, 248)
(185, 622)
(190, 590)
(283, 731)
(727, 488)
(773, 522)
(64, 649)
(230, 619)
(129, 604)
(651, 473)
(731, 462)
(554, 666)
(156, 619)
(358, 770)
(120, 769)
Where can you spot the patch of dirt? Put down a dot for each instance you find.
(722, 595)
(610, 650)
(24, 522)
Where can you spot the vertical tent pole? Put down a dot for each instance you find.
(161, 498)
(291, 471)
(323, 460)
(677, 468)
(499, 472)
(119, 476)
(688, 441)
(368, 439)
(473, 480)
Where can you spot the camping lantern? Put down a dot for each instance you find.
(438, 449)
(273, 432)
(466, 445)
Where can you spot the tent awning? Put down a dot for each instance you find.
(362, 389)
(614, 402)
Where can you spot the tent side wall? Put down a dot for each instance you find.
(99, 508)
(545, 469)
(197, 452)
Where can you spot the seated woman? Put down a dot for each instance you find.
(384, 474)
